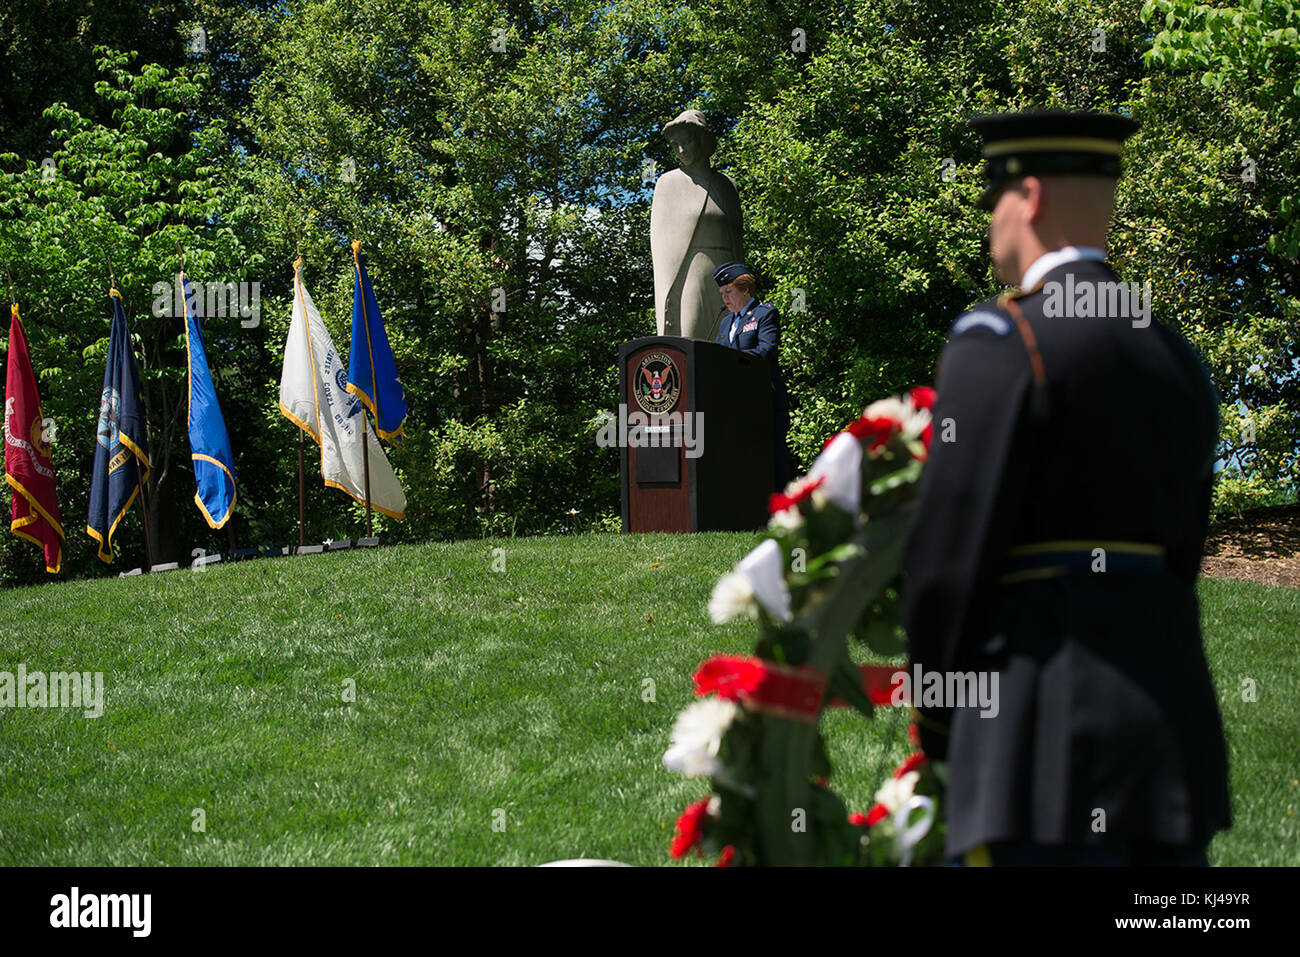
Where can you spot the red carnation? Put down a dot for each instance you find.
(927, 435)
(875, 431)
(914, 763)
(729, 676)
(779, 501)
(690, 828)
(871, 818)
(878, 683)
(726, 857)
(922, 397)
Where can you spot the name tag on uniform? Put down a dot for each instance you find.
(750, 326)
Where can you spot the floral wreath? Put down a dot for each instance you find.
(828, 569)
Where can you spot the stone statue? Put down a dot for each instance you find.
(695, 226)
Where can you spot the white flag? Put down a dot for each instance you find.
(314, 396)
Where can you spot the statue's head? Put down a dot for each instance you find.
(690, 138)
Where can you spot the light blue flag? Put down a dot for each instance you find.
(372, 373)
(214, 463)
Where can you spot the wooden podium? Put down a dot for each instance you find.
(702, 460)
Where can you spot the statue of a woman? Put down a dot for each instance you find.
(695, 226)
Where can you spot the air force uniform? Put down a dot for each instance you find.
(756, 329)
(1057, 543)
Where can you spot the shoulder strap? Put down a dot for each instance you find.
(1040, 403)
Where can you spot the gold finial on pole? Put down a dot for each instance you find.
(112, 276)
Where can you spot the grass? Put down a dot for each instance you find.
(500, 717)
(1251, 634)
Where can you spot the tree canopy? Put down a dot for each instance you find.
(497, 162)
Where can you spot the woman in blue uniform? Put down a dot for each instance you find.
(755, 327)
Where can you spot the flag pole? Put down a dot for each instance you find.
(144, 513)
(365, 443)
(365, 447)
(301, 511)
(365, 454)
(374, 388)
(141, 483)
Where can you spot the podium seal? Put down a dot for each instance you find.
(658, 383)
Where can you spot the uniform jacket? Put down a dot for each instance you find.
(1107, 726)
(758, 332)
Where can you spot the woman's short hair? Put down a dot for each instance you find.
(746, 284)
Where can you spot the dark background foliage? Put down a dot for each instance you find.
(483, 150)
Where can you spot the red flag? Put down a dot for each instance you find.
(28, 466)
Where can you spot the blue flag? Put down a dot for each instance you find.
(372, 373)
(121, 443)
(214, 463)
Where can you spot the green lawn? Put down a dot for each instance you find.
(477, 692)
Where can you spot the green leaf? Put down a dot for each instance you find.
(840, 553)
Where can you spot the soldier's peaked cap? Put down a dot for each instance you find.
(1038, 142)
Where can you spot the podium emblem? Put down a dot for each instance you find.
(658, 384)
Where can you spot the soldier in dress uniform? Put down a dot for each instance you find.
(1058, 535)
(755, 327)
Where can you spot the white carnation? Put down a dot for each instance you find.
(732, 596)
(790, 518)
(892, 408)
(758, 579)
(912, 421)
(896, 791)
(697, 737)
(915, 422)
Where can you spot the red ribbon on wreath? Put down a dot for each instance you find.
(877, 684)
(764, 687)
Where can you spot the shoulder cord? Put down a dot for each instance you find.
(1040, 400)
